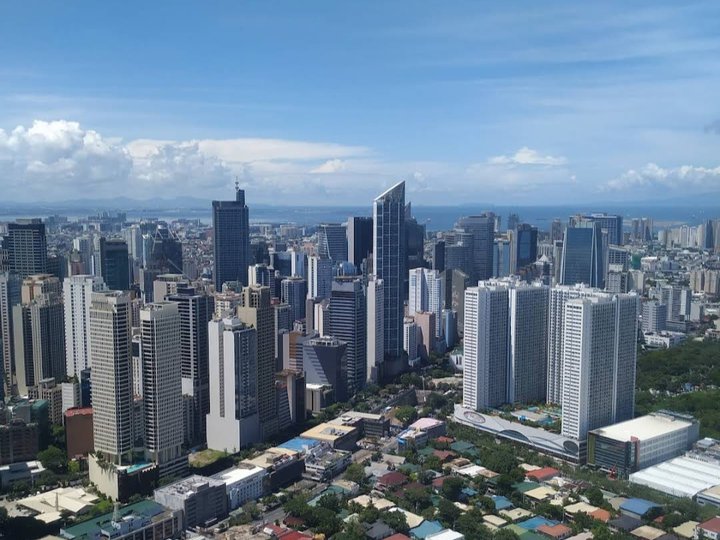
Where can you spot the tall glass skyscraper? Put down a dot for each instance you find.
(231, 235)
(115, 264)
(582, 259)
(27, 247)
(482, 229)
(389, 261)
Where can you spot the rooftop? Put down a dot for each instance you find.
(328, 432)
(647, 532)
(683, 476)
(712, 525)
(89, 529)
(644, 428)
(426, 423)
(299, 444)
(79, 411)
(190, 485)
(638, 506)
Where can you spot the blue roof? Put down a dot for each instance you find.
(535, 522)
(299, 444)
(501, 503)
(425, 529)
(639, 507)
(469, 492)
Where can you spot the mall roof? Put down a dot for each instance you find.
(643, 428)
(683, 476)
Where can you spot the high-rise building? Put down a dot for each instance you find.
(677, 300)
(505, 343)
(231, 240)
(111, 375)
(456, 282)
(375, 326)
(427, 327)
(482, 229)
(166, 252)
(411, 339)
(320, 277)
(256, 311)
(134, 239)
(556, 230)
(582, 257)
(427, 294)
(10, 285)
(259, 274)
(85, 247)
(654, 316)
(360, 239)
(325, 364)
(348, 323)
(26, 245)
(523, 247)
(162, 387)
(438, 255)
(609, 224)
(599, 359)
(332, 242)
(39, 332)
(196, 310)
(232, 421)
(389, 262)
(77, 295)
(294, 293)
(114, 264)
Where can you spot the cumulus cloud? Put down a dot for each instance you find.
(686, 177)
(528, 156)
(331, 166)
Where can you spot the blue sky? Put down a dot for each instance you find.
(324, 102)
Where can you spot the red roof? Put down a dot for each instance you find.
(444, 454)
(293, 521)
(712, 525)
(295, 535)
(393, 478)
(546, 473)
(76, 411)
(398, 536)
(601, 515)
(438, 482)
(443, 438)
(555, 531)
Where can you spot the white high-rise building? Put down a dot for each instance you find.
(77, 296)
(320, 277)
(111, 375)
(410, 338)
(162, 387)
(599, 357)
(427, 294)
(233, 422)
(375, 328)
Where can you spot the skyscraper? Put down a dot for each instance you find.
(325, 363)
(39, 332)
(389, 262)
(523, 247)
(166, 252)
(256, 311)
(375, 326)
(231, 240)
(609, 224)
(332, 242)
(77, 295)
(294, 292)
(162, 387)
(111, 375)
(27, 247)
(10, 285)
(654, 316)
(599, 358)
(115, 264)
(232, 420)
(360, 239)
(196, 310)
(348, 323)
(427, 293)
(320, 277)
(482, 229)
(582, 257)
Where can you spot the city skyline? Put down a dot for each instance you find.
(475, 103)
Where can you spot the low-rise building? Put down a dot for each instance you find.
(202, 500)
(243, 483)
(79, 431)
(340, 437)
(323, 463)
(663, 340)
(709, 529)
(49, 506)
(369, 424)
(22, 471)
(282, 467)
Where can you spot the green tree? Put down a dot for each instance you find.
(406, 414)
(396, 521)
(594, 496)
(505, 534)
(329, 501)
(53, 458)
(448, 512)
(355, 473)
(452, 486)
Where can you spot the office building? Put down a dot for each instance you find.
(165, 252)
(360, 240)
(610, 225)
(389, 261)
(438, 255)
(79, 432)
(165, 285)
(427, 328)
(39, 332)
(259, 274)
(77, 295)
(70, 392)
(10, 295)
(677, 300)
(114, 264)
(111, 375)
(582, 256)
(196, 310)
(325, 363)
(456, 282)
(294, 293)
(332, 242)
(202, 500)
(375, 349)
(162, 387)
(523, 247)
(231, 240)
(482, 229)
(599, 355)
(654, 316)
(556, 230)
(256, 311)
(320, 277)
(427, 294)
(348, 323)
(26, 246)
(48, 390)
(233, 422)
(411, 339)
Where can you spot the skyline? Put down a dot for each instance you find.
(480, 103)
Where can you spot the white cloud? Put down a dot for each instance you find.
(527, 156)
(331, 166)
(689, 178)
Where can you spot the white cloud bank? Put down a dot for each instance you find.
(528, 156)
(688, 178)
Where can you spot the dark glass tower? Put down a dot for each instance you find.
(360, 239)
(482, 228)
(114, 264)
(27, 247)
(348, 323)
(582, 259)
(166, 253)
(231, 235)
(389, 262)
(523, 247)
